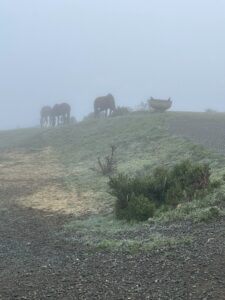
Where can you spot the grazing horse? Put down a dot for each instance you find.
(45, 113)
(104, 103)
(60, 114)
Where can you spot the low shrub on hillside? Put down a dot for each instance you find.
(140, 208)
(120, 111)
(138, 197)
(73, 120)
(143, 106)
(89, 117)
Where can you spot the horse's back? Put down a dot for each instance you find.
(104, 102)
(65, 108)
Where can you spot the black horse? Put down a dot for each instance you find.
(60, 114)
(104, 103)
(45, 113)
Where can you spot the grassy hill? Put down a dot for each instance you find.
(53, 167)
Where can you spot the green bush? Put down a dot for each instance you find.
(140, 208)
(162, 188)
(191, 178)
(120, 111)
(89, 117)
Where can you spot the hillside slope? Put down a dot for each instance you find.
(142, 140)
(59, 239)
(69, 155)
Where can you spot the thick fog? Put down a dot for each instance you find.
(54, 51)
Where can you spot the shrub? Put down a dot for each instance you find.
(90, 116)
(107, 166)
(121, 188)
(73, 120)
(210, 110)
(120, 111)
(163, 188)
(190, 178)
(143, 106)
(209, 214)
(140, 208)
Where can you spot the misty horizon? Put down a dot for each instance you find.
(74, 51)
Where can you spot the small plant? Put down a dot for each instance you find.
(89, 117)
(210, 110)
(73, 120)
(143, 106)
(107, 166)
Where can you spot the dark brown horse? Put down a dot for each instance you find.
(104, 103)
(60, 114)
(45, 113)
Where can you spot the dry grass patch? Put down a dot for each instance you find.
(38, 180)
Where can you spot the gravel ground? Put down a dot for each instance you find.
(36, 263)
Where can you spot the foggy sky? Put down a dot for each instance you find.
(54, 51)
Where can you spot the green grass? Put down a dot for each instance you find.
(105, 233)
(198, 210)
(134, 246)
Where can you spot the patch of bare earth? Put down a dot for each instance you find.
(36, 180)
(38, 263)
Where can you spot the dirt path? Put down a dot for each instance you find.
(38, 263)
